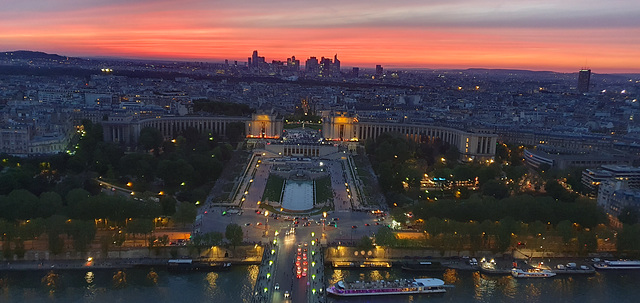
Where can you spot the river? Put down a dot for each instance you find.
(236, 286)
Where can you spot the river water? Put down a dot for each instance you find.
(236, 286)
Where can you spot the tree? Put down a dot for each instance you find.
(214, 238)
(83, 233)
(502, 152)
(150, 138)
(628, 215)
(385, 237)
(496, 189)
(365, 243)
(143, 226)
(462, 173)
(56, 244)
(49, 204)
(233, 233)
(629, 239)
(507, 227)
(587, 242)
(186, 213)
(565, 230)
(235, 131)
(174, 172)
(74, 199)
(23, 204)
(168, 204)
(7, 232)
(452, 155)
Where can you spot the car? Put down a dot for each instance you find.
(367, 224)
(304, 273)
(354, 226)
(259, 223)
(286, 294)
(277, 286)
(247, 224)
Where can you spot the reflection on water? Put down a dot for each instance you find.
(119, 279)
(253, 270)
(212, 287)
(532, 292)
(89, 277)
(450, 276)
(98, 286)
(236, 285)
(152, 276)
(51, 281)
(508, 285)
(338, 274)
(484, 288)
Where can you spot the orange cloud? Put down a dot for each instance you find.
(217, 35)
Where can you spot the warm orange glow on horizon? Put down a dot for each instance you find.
(184, 34)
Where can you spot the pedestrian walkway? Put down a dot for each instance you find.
(263, 287)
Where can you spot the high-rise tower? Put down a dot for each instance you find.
(584, 78)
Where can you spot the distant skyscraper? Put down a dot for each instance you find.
(254, 58)
(584, 79)
(293, 64)
(326, 66)
(256, 61)
(312, 65)
(379, 70)
(336, 64)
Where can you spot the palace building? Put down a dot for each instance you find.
(337, 126)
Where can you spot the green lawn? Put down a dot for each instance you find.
(323, 190)
(273, 189)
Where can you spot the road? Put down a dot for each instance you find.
(279, 268)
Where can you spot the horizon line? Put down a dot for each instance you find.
(391, 66)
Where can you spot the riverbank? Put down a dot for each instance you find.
(38, 260)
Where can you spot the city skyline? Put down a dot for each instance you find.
(540, 35)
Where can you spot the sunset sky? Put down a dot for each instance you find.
(538, 35)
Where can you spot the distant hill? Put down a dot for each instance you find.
(31, 55)
(500, 71)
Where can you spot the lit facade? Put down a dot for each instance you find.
(337, 126)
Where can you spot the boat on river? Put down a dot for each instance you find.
(397, 287)
(532, 273)
(620, 264)
(191, 265)
(424, 266)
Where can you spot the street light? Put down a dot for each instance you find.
(324, 220)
